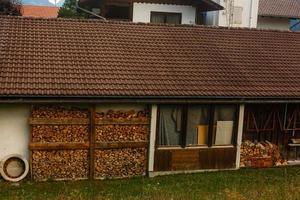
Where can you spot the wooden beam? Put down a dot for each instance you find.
(120, 145)
(121, 122)
(45, 121)
(58, 146)
(239, 135)
(92, 143)
(152, 138)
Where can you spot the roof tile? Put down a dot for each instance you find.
(51, 57)
(279, 8)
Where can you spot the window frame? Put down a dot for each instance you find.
(165, 14)
(210, 142)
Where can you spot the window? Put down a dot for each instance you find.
(196, 125)
(165, 18)
(294, 24)
(224, 118)
(170, 125)
(117, 12)
(237, 15)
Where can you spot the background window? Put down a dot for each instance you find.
(117, 12)
(237, 15)
(224, 120)
(165, 18)
(197, 125)
(170, 125)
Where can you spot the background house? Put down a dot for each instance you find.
(166, 11)
(236, 13)
(233, 13)
(39, 11)
(278, 14)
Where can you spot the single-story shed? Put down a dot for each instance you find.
(96, 99)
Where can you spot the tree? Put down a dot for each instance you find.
(69, 10)
(10, 7)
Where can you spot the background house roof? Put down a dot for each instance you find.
(279, 8)
(56, 57)
(39, 11)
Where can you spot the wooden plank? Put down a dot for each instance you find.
(152, 138)
(92, 143)
(194, 159)
(120, 145)
(58, 146)
(185, 159)
(205, 159)
(217, 158)
(121, 122)
(45, 121)
(162, 160)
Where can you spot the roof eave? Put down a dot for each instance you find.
(279, 16)
(210, 6)
(145, 99)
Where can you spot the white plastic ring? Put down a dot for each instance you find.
(14, 168)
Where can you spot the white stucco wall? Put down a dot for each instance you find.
(273, 23)
(14, 129)
(141, 12)
(249, 14)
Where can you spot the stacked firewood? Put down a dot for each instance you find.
(59, 164)
(109, 133)
(113, 126)
(62, 164)
(124, 127)
(120, 162)
(124, 115)
(260, 154)
(58, 112)
(60, 133)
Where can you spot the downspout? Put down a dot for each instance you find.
(89, 12)
(250, 18)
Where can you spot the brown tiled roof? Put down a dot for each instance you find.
(56, 57)
(279, 8)
(39, 11)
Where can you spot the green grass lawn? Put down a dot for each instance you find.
(276, 183)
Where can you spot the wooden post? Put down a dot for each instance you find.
(239, 135)
(152, 138)
(92, 143)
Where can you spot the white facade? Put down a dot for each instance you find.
(142, 12)
(274, 23)
(236, 13)
(14, 130)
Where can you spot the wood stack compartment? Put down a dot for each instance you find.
(122, 138)
(59, 143)
(260, 155)
(73, 143)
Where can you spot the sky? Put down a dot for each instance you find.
(42, 2)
